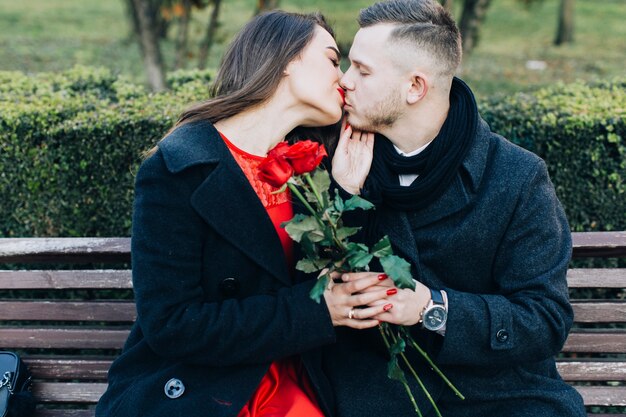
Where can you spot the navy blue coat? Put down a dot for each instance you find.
(498, 242)
(215, 301)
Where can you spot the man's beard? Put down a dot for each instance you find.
(383, 114)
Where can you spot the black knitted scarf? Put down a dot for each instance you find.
(436, 165)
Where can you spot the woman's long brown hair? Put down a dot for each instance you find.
(253, 67)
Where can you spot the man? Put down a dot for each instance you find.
(475, 215)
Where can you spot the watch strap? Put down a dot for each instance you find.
(437, 297)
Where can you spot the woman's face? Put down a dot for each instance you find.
(313, 80)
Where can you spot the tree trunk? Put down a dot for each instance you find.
(565, 31)
(265, 5)
(148, 39)
(474, 12)
(207, 42)
(131, 12)
(447, 4)
(183, 35)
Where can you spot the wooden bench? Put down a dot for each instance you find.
(69, 324)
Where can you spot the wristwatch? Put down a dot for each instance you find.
(435, 314)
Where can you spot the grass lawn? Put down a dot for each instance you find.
(52, 35)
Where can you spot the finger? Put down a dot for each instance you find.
(353, 276)
(335, 275)
(365, 298)
(362, 324)
(383, 285)
(369, 141)
(371, 312)
(356, 135)
(361, 284)
(344, 139)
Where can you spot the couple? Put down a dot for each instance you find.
(226, 327)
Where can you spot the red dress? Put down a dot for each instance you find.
(285, 390)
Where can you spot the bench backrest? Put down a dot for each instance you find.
(69, 324)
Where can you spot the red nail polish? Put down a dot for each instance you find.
(382, 277)
(387, 307)
(392, 291)
(347, 125)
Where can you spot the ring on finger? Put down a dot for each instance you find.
(351, 313)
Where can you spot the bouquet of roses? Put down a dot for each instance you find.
(326, 245)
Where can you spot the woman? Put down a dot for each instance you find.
(223, 329)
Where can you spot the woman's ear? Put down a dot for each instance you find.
(418, 88)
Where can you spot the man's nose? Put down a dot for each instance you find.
(345, 81)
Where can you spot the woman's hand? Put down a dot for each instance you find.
(353, 159)
(356, 304)
(400, 306)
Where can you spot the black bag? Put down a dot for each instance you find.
(16, 400)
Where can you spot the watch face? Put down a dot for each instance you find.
(435, 318)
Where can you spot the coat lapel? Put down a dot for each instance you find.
(225, 199)
(227, 202)
(464, 186)
(453, 200)
(396, 226)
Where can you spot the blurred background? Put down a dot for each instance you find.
(78, 109)
(510, 45)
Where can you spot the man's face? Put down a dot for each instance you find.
(374, 97)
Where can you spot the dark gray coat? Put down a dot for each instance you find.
(215, 301)
(498, 242)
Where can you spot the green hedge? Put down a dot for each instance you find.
(70, 144)
(580, 131)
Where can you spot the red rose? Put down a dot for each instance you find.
(305, 156)
(279, 150)
(275, 171)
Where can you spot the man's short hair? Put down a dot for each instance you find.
(423, 23)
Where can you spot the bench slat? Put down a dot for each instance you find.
(64, 249)
(603, 396)
(60, 392)
(599, 312)
(66, 279)
(62, 338)
(70, 413)
(596, 341)
(599, 244)
(68, 310)
(596, 278)
(596, 244)
(68, 392)
(68, 368)
(594, 370)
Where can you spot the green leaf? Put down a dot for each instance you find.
(345, 232)
(308, 247)
(398, 270)
(394, 371)
(398, 346)
(321, 180)
(382, 248)
(358, 256)
(308, 265)
(302, 224)
(339, 205)
(318, 289)
(356, 202)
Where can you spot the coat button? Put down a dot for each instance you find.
(229, 287)
(174, 388)
(502, 336)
